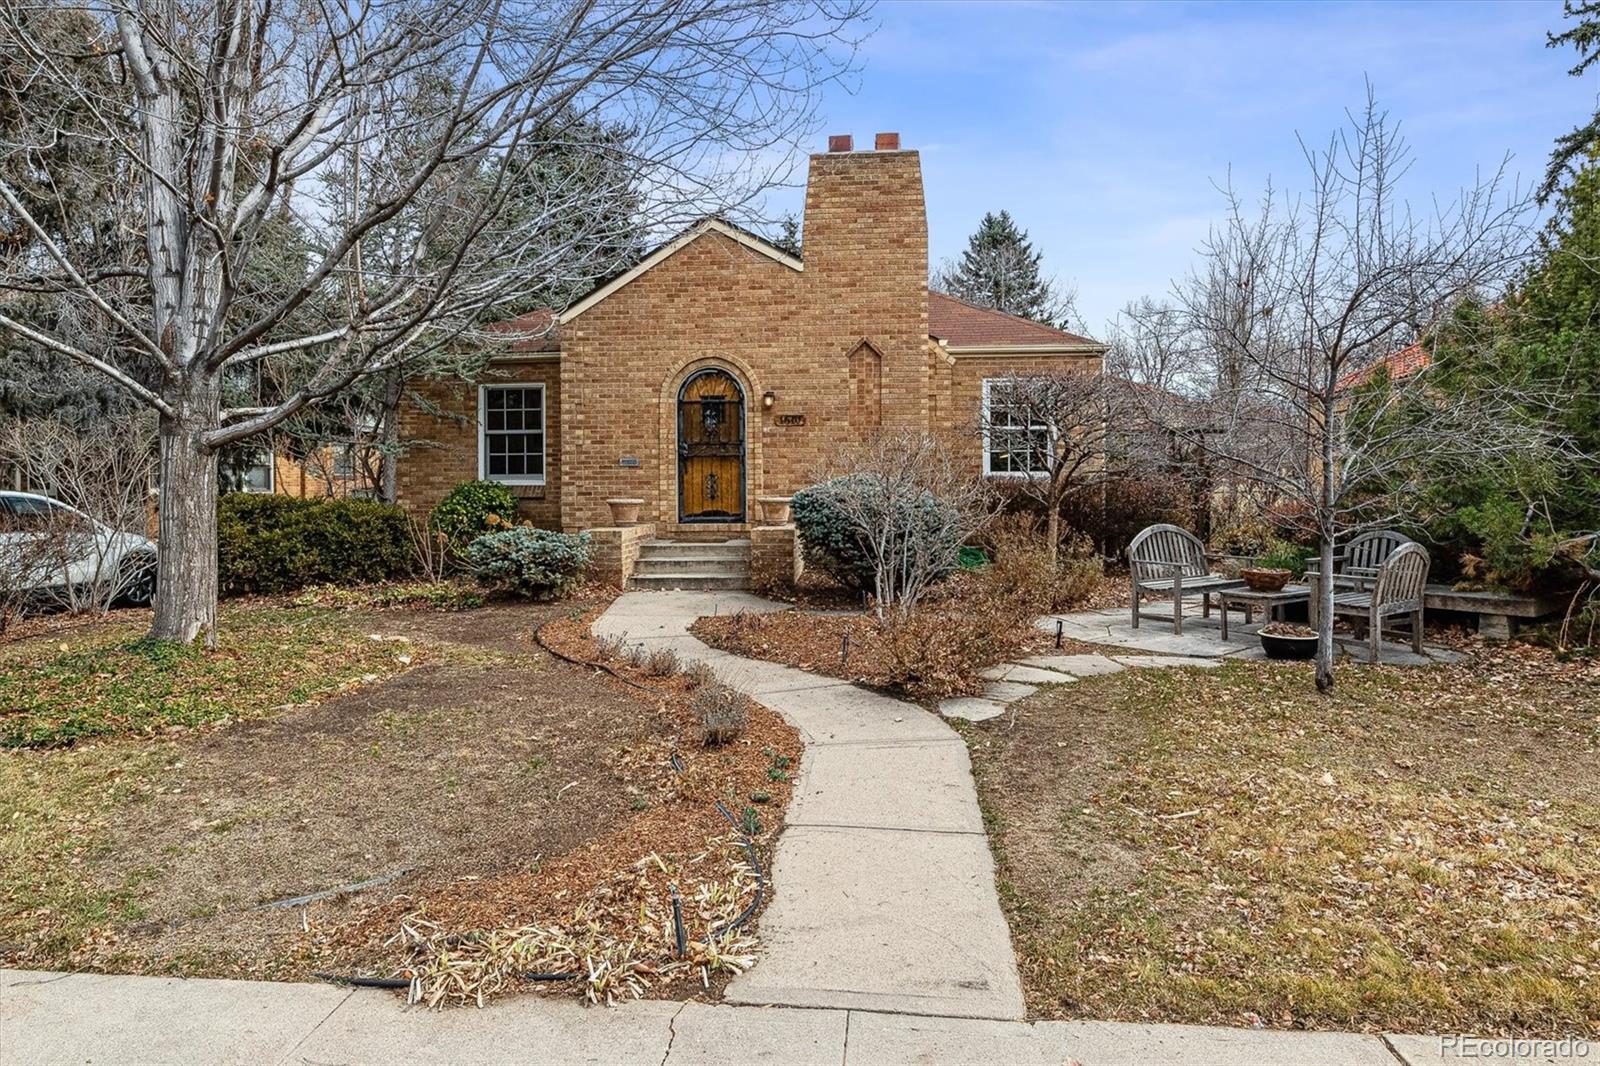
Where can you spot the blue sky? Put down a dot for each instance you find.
(1102, 127)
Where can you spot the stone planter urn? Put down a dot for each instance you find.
(624, 511)
(774, 509)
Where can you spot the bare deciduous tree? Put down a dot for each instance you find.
(1294, 297)
(218, 114)
(1052, 428)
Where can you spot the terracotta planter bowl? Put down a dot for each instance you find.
(625, 512)
(1263, 580)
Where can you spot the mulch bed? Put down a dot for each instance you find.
(618, 884)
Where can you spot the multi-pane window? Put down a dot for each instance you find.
(1013, 445)
(247, 470)
(511, 445)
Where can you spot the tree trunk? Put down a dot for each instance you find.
(1324, 619)
(186, 548)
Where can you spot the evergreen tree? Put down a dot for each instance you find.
(1585, 37)
(1000, 269)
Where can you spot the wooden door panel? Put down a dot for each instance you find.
(711, 449)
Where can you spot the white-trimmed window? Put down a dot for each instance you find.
(511, 434)
(1013, 446)
(250, 470)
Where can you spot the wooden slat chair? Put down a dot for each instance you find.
(1396, 589)
(1165, 558)
(1356, 565)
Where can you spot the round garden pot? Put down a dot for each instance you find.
(1265, 580)
(774, 509)
(1288, 647)
(625, 512)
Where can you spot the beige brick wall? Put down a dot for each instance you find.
(842, 344)
(967, 375)
(441, 435)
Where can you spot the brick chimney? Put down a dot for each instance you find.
(866, 256)
(841, 142)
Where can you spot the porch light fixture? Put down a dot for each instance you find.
(768, 398)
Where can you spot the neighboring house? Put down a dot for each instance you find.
(722, 369)
(1407, 362)
(327, 473)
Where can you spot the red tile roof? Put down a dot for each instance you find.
(1408, 361)
(964, 325)
(541, 336)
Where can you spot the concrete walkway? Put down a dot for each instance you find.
(48, 1018)
(885, 897)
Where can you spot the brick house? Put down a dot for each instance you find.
(722, 369)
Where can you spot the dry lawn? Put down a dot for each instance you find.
(321, 748)
(1419, 852)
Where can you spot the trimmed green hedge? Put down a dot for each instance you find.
(279, 543)
(464, 512)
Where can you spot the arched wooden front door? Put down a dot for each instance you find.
(710, 448)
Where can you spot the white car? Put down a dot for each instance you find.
(88, 552)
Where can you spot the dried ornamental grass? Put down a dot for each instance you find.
(618, 945)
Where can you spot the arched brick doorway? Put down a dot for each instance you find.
(711, 448)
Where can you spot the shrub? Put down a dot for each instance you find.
(1282, 555)
(940, 648)
(1112, 514)
(1022, 567)
(527, 561)
(722, 713)
(835, 542)
(662, 662)
(279, 543)
(473, 508)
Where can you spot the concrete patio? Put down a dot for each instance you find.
(1202, 637)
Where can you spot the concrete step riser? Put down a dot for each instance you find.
(717, 565)
(694, 551)
(689, 581)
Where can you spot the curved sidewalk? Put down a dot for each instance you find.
(884, 885)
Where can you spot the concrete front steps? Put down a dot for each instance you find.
(670, 564)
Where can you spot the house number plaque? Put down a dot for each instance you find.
(790, 420)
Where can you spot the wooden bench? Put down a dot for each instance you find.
(1165, 558)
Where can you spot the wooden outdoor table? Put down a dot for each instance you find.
(1250, 599)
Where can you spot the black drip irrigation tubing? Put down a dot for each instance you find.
(679, 934)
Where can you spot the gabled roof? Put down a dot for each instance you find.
(1405, 363)
(664, 251)
(968, 325)
(540, 332)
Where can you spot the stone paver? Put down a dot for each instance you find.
(886, 896)
(1028, 675)
(1007, 691)
(1168, 662)
(1077, 665)
(971, 708)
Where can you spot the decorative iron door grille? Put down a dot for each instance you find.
(710, 449)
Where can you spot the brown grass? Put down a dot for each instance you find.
(1418, 852)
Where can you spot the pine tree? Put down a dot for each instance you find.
(1000, 269)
